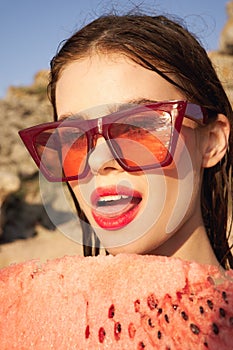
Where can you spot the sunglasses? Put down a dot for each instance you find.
(140, 138)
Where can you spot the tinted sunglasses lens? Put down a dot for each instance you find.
(62, 151)
(143, 139)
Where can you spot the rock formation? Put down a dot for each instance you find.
(20, 203)
(223, 58)
(226, 39)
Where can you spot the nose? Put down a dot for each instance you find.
(101, 159)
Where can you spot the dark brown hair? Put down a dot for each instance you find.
(168, 48)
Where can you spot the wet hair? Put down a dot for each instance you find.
(166, 47)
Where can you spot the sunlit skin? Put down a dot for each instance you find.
(105, 81)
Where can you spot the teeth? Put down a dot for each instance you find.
(116, 197)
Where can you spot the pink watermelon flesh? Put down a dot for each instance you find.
(123, 302)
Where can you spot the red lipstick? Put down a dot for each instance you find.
(115, 206)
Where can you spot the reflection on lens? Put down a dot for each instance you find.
(150, 131)
(47, 147)
(74, 150)
(62, 151)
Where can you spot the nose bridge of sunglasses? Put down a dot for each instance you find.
(97, 139)
(97, 133)
(100, 147)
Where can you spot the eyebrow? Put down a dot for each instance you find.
(141, 101)
(71, 116)
(112, 108)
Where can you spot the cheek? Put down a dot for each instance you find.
(187, 163)
(80, 195)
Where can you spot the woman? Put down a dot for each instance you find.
(141, 93)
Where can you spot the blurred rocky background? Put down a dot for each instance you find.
(19, 195)
(25, 229)
(223, 58)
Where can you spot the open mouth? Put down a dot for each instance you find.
(115, 208)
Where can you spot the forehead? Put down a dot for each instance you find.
(108, 80)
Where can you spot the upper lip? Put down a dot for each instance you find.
(108, 193)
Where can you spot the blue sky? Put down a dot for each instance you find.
(31, 30)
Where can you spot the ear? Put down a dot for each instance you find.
(216, 144)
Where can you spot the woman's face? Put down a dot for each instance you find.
(165, 201)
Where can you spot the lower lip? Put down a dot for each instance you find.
(116, 222)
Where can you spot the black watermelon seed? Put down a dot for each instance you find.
(159, 335)
(206, 344)
(195, 329)
(222, 312)
(118, 327)
(215, 328)
(210, 304)
(175, 306)
(224, 296)
(160, 310)
(231, 321)
(141, 345)
(101, 334)
(117, 330)
(166, 318)
(150, 323)
(111, 311)
(201, 308)
(184, 315)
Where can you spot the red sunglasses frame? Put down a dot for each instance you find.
(100, 126)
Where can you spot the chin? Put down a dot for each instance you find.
(132, 248)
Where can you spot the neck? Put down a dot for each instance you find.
(190, 243)
(197, 248)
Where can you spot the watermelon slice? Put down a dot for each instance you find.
(122, 302)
